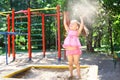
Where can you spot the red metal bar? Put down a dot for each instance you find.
(8, 25)
(58, 37)
(13, 36)
(29, 35)
(43, 34)
(35, 15)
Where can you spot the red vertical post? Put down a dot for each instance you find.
(29, 35)
(13, 36)
(43, 34)
(8, 25)
(58, 37)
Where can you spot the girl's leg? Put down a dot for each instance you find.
(77, 64)
(70, 60)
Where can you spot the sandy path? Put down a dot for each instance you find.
(105, 63)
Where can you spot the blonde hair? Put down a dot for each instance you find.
(85, 31)
(72, 21)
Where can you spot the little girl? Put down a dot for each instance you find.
(72, 44)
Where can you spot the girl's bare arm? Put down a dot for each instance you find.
(65, 21)
(81, 26)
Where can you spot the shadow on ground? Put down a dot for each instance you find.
(105, 64)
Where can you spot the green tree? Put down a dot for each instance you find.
(111, 8)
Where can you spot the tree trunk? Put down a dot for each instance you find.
(89, 42)
(95, 41)
(110, 37)
(99, 39)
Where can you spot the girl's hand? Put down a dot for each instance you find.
(65, 13)
(81, 19)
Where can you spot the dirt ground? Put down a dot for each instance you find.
(105, 63)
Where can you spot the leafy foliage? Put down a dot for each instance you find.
(108, 18)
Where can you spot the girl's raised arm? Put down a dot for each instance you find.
(65, 21)
(81, 26)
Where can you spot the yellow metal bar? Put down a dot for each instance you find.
(3, 14)
(54, 8)
(16, 72)
(57, 67)
(7, 12)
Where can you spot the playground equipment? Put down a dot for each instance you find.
(28, 14)
(5, 39)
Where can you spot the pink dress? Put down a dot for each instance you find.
(72, 39)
